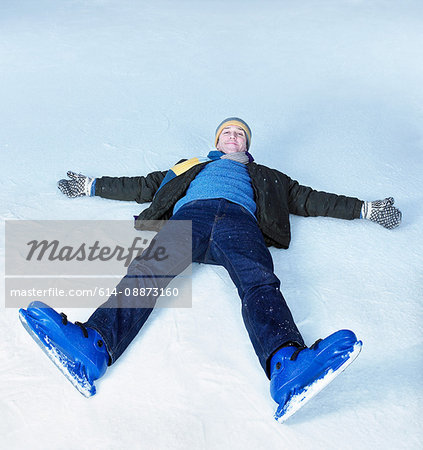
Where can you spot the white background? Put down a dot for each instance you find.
(333, 91)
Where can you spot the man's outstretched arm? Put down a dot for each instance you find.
(140, 189)
(305, 201)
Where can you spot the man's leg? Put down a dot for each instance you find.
(296, 374)
(238, 245)
(121, 317)
(83, 351)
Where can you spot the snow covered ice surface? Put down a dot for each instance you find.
(333, 92)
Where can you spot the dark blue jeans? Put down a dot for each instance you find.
(223, 233)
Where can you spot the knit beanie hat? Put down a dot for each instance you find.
(237, 122)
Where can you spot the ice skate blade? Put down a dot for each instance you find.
(69, 368)
(297, 401)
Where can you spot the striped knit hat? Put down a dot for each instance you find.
(237, 122)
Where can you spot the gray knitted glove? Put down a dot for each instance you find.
(77, 186)
(382, 212)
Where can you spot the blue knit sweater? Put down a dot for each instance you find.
(222, 178)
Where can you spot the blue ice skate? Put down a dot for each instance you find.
(298, 374)
(78, 352)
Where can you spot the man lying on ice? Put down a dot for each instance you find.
(238, 208)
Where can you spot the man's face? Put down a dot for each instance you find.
(232, 139)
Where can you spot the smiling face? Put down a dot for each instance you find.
(232, 139)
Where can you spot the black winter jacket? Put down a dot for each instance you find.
(276, 196)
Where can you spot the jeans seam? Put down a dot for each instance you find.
(206, 253)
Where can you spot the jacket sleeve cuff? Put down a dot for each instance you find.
(357, 209)
(92, 190)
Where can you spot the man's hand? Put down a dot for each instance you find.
(77, 186)
(382, 212)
